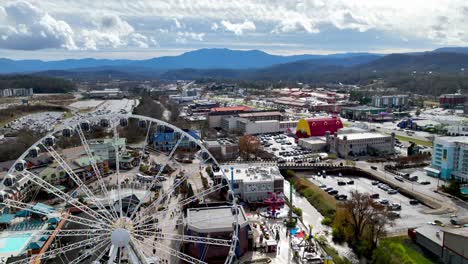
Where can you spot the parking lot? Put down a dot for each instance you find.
(286, 149)
(408, 216)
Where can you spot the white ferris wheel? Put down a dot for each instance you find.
(113, 189)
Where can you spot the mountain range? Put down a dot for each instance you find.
(249, 65)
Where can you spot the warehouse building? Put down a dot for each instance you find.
(359, 142)
(317, 127)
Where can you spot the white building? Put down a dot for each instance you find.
(253, 183)
(358, 142)
(16, 92)
(390, 100)
(457, 130)
(315, 144)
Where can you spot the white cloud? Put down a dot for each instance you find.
(214, 26)
(25, 27)
(184, 37)
(178, 24)
(238, 28)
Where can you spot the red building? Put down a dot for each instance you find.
(451, 100)
(317, 127)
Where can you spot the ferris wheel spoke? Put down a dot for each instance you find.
(62, 250)
(71, 218)
(156, 178)
(117, 170)
(180, 204)
(103, 245)
(65, 233)
(81, 185)
(63, 196)
(96, 170)
(175, 253)
(172, 223)
(184, 238)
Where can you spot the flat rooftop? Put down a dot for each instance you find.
(364, 135)
(214, 219)
(249, 173)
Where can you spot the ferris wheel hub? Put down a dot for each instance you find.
(120, 237)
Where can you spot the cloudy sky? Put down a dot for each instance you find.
(138, 29)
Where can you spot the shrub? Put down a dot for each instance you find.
(327, 221)
(297, 211)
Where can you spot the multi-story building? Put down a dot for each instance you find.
(361, 112)
(165, 141)
(457, 130)
(105, 148)
(16, 92)
(223, 148)
(252, 183)
(452, 100)
(450, 158)
(359, 142)
(400, 100)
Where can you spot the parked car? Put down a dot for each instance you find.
(413, 202)
(373, 167)
(333, 192)
(425, 182)
(341, 183)
(394, 206)
(399, 178)
(375, 196)
(350, 182)
(392, 191)
(328, 189)
(384, 201)
(341, 197)
(322, 186)
(375, 182)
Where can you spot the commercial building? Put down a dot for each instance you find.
(252, 183)
(216, 222)
(16, 92)
(223, 149)
(317, 127)
(457, 130)
(361, 112)
(166, 140)
(449, 158)
(105, 148)
(247, 127)
(451, 101)
(448, 244)
(262, 116)
(218, 113)
(106, 94)
(315, 144)
(392, 101)
(359, 142)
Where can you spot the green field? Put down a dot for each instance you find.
(416, 141)
(399, 250)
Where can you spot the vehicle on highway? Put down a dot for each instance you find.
(392, 191)
(373, 167)
(383, 186)
(413, 202)
(333, 192)
(399, 178)
(375, 182)
(322, 186)
(281, 161)
(328, 189)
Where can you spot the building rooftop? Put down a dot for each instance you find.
(249, 173)
(214, 219)
(231, 108)
(462, 139)
(260, 114)
(362, 135)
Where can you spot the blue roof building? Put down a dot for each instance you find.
(165, 141)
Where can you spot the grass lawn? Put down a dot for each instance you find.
(417, 141)
(399, 250)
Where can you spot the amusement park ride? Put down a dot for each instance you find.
(107, 233)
